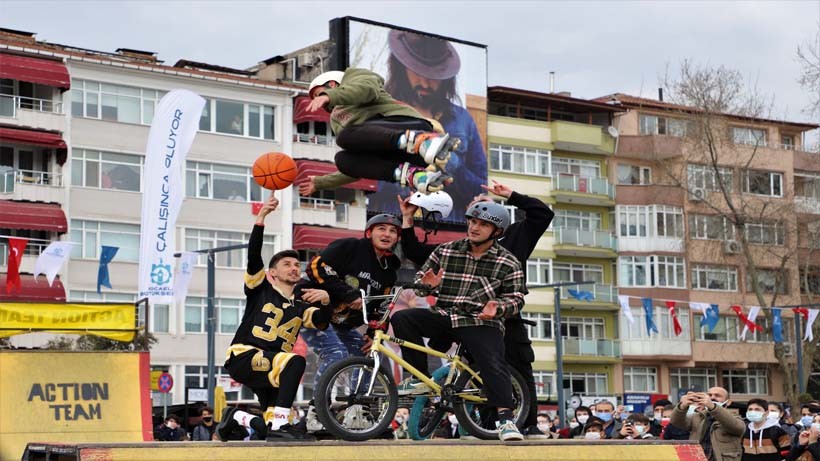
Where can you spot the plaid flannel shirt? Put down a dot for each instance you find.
(468, 283)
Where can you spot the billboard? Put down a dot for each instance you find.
(443, 79)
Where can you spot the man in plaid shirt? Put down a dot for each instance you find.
(480, 283)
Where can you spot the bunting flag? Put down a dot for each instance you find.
(802, 311)
(649, 312)
(51, 260)
(777, 326)
(675, 323)
(625, 309)
(809, 336)
(711, 314)
(106, 255)
(16, 248)
(753, 311)
(582, 295)
(185, 271)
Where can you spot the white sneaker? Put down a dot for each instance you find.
(509, 432)
(356, 417)
(312, 422)
(412, 386)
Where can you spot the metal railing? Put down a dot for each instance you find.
(45, 178)
(9, 105)
(342, 210)
(592, 347)
(583, 184)
(314, 139)
(586, 238)
(601, 292)
(32, 249)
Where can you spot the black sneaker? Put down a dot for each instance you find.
(288, 433)
(227, 424)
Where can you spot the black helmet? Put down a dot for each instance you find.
(383, 218)
(493, 213)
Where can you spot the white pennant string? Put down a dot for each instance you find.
(753, 311)
(809, 336)
(627, 311)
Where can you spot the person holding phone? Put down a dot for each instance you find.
(718, 430)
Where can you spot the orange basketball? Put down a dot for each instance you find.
(274, 170)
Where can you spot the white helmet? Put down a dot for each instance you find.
(322, 79)
(439, 202)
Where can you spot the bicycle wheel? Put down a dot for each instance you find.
(480, 420)
(427, 412)
(345, 407)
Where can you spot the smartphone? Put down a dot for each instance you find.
(629, 408)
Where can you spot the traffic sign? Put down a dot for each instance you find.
(165, 383)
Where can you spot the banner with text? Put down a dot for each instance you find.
(172, 132)
(112, 321)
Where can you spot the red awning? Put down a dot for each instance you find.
(316, 168)
(440, 236)
(34, 216)
(317, 237)
(34, 70)
(37, 138)
(301, 114)
(33, 291)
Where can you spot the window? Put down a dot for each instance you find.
(640, 379)
(238, 118)
(573, 166)
(769, 281)
(633, 221)
(749, 136)
(662, 319)
(658, 271)
(566, 272)
(687, 378)
(706, 227)
(705, 177)
(538, 271)
(543, 329)
(749, 381)
(669, 221)
(520, 160)
(586, 383)
(197, 376)
(652, 125)
(200, 239)
(763, 183)
(810, 280)
(117, 103)
(158, 319)
(650, 221)
(544, 383)
(222, 182)
(583, 328)
(91, 235)
(106, 170)
(634, 175)
(729, 329)
(312, 132)
(807, 185)
(715, 278)
(584, 220)
(228, 312)
(787, 142)
(765, 233)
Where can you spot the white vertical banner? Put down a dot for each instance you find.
(809, 336)
(753, 311)
(185, 271)
(176, 120)
(51, 260)
(625, 309)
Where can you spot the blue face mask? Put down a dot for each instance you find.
(605, 417)
(806, 421)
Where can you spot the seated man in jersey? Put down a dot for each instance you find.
(260, 354)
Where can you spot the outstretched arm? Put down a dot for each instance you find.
(411, 247)
(255, 271)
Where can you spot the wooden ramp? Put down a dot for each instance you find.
(430, 450)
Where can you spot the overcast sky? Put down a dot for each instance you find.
(595, 48)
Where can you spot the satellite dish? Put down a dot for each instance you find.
(613, 131)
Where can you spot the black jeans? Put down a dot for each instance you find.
(486, 346)
(371, 149)
(519, 354)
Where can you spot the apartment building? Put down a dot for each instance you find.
(676, 243)
(556, 148)
(73, 130)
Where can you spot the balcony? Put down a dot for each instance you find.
(30, 254)
(22, 111)
(585, 243)
(656, 346)
(591, 350)
(581, 137)
(30, 185)
(604, 296)
(582, 190)
(649, 147)
(317, 147)
(324, 212)
(808, 205)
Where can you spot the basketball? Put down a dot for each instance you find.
(274, 170)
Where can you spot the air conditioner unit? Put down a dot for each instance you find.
(697, 194)
(731, 247)
(306, 60)
(788, 349)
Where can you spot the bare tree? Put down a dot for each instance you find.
(808, 55)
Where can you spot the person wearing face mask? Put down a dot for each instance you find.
(718, 430)
(655, 427)
(806, 446)
(670, 431)
(545, 427)
(204, 431)
(636, 426)
(776, 414)
(170, 430)
(605, 411)
(764, 439)
(399, 425)
(594, 430)
(582, 415)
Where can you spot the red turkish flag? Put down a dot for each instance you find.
(16, 247)
(675, 323)
(802, 311)
(751, 325)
